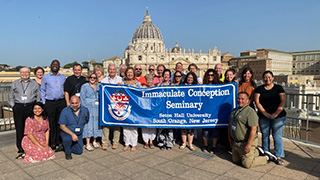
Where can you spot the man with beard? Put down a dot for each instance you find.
(22, 94)
(138, 72)
(73, 83)
(72, 121)
(52, 95)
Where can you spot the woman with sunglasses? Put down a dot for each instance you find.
(89, 95)
(210, 77)
(177, 78)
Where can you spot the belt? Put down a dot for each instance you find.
(55, 100)
(24, 104)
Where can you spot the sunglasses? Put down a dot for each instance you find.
(151, 69)
(178, 76)
(138, 69)
(210, 75)
(92, 78)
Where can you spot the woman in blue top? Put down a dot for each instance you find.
(89, 95)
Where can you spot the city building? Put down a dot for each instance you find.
(147, 48)
(306, 62)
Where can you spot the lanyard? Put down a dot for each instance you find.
(77, 118)
(238, 112)
(24, 89)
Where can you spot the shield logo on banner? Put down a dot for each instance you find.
(119, 107)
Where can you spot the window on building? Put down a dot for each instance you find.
(214, 58)
(298, 65)
(172, 59)
(296, 78)
(303, 65)
(140, 58)
(290, 78)
(294, 65)
(293, 72)
(187, 59)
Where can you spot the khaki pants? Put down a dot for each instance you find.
(250, 160)
(105, 135)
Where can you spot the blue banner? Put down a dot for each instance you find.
(193, 106)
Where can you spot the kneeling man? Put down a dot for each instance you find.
(72, 120)
(242, 133)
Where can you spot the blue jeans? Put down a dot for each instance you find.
(276, 126)
(71, 146)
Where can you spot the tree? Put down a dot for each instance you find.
(70, 65)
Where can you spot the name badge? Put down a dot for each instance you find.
(233, 127)
(77, 94)
(96, 103)
(24, 97)
(77, 129)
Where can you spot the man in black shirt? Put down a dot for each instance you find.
(73, 83)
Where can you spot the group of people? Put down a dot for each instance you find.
(55, 113)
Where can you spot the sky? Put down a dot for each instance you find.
(33, 33)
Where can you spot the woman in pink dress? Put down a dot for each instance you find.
(35, 143)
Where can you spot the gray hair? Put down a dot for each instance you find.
(25, 67)
(149, 76)
(111, 64)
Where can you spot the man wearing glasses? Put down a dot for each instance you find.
(152, 69)
(23, 93)
(138, 72)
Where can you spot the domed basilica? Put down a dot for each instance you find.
(147, 48)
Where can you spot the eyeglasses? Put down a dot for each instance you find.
(138, 69)
(179, 76)
(151, 69)
(92, 78)
(210, 75)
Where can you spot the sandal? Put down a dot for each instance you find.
(89, 148)
(184, 145)
(145, 146)
(125, 148)
(133, 149)
(21, 156)
(191, 147)
(95, 145)
(151, 146)
(280, 162)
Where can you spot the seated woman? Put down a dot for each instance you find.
(36, 141)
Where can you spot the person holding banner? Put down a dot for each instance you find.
(230, 76)
(112, 78)
(148, 134)
(177, 78)
(158, 79)
(89, 95)
(130, 134)
(210, 77)
(191, 78)
(165, 136)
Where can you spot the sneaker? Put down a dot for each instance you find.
(114, 146)
(271, 157)
(104, 147)
(260, 150)
(89, 148)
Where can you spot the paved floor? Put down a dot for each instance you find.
(302, 162)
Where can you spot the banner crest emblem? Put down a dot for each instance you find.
(119, 107)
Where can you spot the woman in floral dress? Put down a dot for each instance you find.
(36, 140)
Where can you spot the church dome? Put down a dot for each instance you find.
(147, 30)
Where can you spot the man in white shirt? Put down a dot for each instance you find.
(112, 78)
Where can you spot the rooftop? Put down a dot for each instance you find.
(302, 162)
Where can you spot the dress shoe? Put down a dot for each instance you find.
(68, 156)
(60, 148)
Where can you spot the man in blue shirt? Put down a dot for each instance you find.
(52, 95)
(72, 121)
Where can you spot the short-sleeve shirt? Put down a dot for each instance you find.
(270, 99)
(72, 121)
(240, 120)
(142, 80)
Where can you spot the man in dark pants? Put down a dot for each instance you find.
(73, 83)
(23, 93)
(72, 121)
(52, 95)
